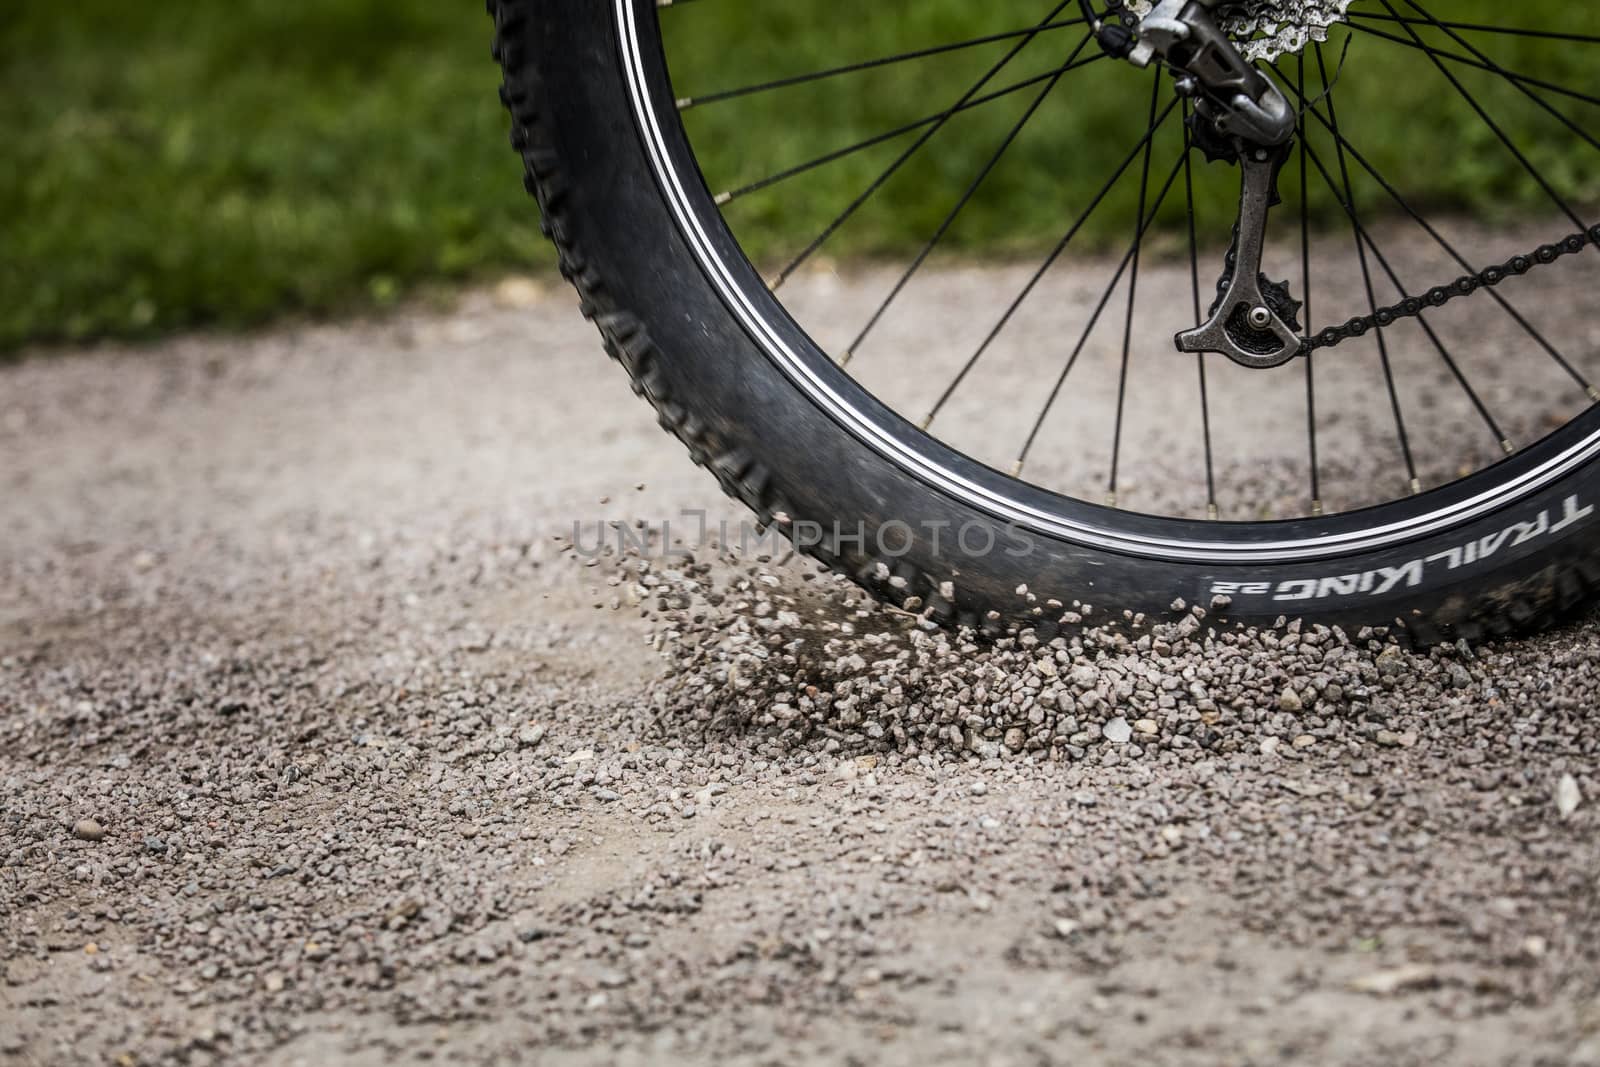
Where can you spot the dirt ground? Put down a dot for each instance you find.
(315, 746)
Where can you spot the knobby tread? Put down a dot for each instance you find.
(1529, 604)
(626, 338)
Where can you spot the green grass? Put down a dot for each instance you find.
(189, 163)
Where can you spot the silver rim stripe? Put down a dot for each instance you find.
(987, 500)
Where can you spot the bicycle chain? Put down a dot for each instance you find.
(1278, 293)
(1440, 295)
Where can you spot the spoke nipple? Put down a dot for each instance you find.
(1416, 486)
(721, 198)
(927, 420)
(1316, 508)
(1111, 499)
(1594, 394)
(1507, 447)
(684, 102)
(774, 281)
(845, 357)
(1016, 468)
(1212, 513)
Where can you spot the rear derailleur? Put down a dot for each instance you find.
(1240, 117)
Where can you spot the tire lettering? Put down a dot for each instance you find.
(1572, 514)
(1301, 590)
(1383, 580)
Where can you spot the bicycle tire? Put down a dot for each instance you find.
(1509, 549)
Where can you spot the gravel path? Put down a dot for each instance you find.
(320, 741)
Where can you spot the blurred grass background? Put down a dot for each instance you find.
(189, 163)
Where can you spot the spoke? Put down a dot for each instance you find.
(684, 103)
(1181, 166)
(1477, 27)
(1305, 286)
(898, 131)
(1540, 101)
(1365, 236)
(1133, 295)
(1049, 261)
(1366, 274)
(921, 140)
(1451, 47)
(1533, 172)
(1194, 282)
(950, 217)
(1516, 316)
(1467, 61)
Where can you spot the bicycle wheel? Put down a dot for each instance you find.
(987, 414)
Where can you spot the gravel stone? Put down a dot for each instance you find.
(1568, 797)
(418, 797)
(1394, 980)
